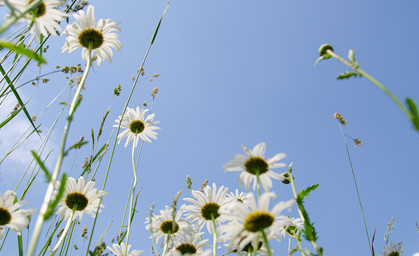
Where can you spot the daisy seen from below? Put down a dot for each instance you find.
(209, 207)
(137, 126)
(290, 226)
(255, 224)
(238, 197)
(190, 245)
(44, 19)
(10, 216)
(254, 165)
(80, 197)
(86, 33)
(163, 225)
(119, 250)
(393, 249)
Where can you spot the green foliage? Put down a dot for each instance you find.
(51, 207)
(309, 231)
(414, 112)
(20, 49)
(305, 192)
(42, 165)
(14, 113)
(348, 74)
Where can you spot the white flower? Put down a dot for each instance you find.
(10, 216)
(189, 246)
(162, 225)
(256, 163)
(46, 16)
(137, 126)
(119, 250)
(290, 226)
(252, 221)
(210, 204)
(79, 196)
(86, 32)
(236, 197)
(393, 249)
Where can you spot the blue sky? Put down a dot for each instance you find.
(241, 71)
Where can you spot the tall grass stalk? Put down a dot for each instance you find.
(122, 115)
(357, 190)
(50, 189)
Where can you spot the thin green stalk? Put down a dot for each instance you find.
(50, 189)
(214, 243)
(357, 190)
(14, 19)
(64, 234)
(134, 169)
(20, 245)
(374, 81)
(294, 191)
(258, 184)
(265, 240)
(123, 112)
(166, 245)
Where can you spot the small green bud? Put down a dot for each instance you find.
(287, 179)
(323, 50)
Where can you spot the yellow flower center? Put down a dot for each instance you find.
(77, 200)
(93, 36)
(40, 10)
(136, 126)
(256, 165)
(210, 210)
(186, 248)
(169, 227)
(5, 216)
(258, 221)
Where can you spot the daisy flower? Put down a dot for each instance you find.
(189, 245)
(79, 196)
(137, 126)
(393, 249)
(163, 225)
(253, 221)
(236, 197)
(290, 226)
(45, 17)
(10, 216)
(255, 163)
(208, 205)
(99, 36)
(119, 250)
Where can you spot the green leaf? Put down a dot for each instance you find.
(305, 192)
(10, 117)
(42, 165)
(6, 77)
(348, 74)
(20, 49)
(51, 207)
(414, 111)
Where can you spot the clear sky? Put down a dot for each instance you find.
(242, 71)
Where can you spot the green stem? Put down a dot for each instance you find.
(134, 169)
(14, 19)
(50, 189)
(214, 243)
(166, 245)
(356, 187)
(265, 240)
(67, 226)
(123, 112)
(373, 80)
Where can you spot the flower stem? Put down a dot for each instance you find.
(67, 226)
(166, 244)
(134, 169)
(214, 243)
(265, 240)
(374, 81)
(356, 187)
(48, 194)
